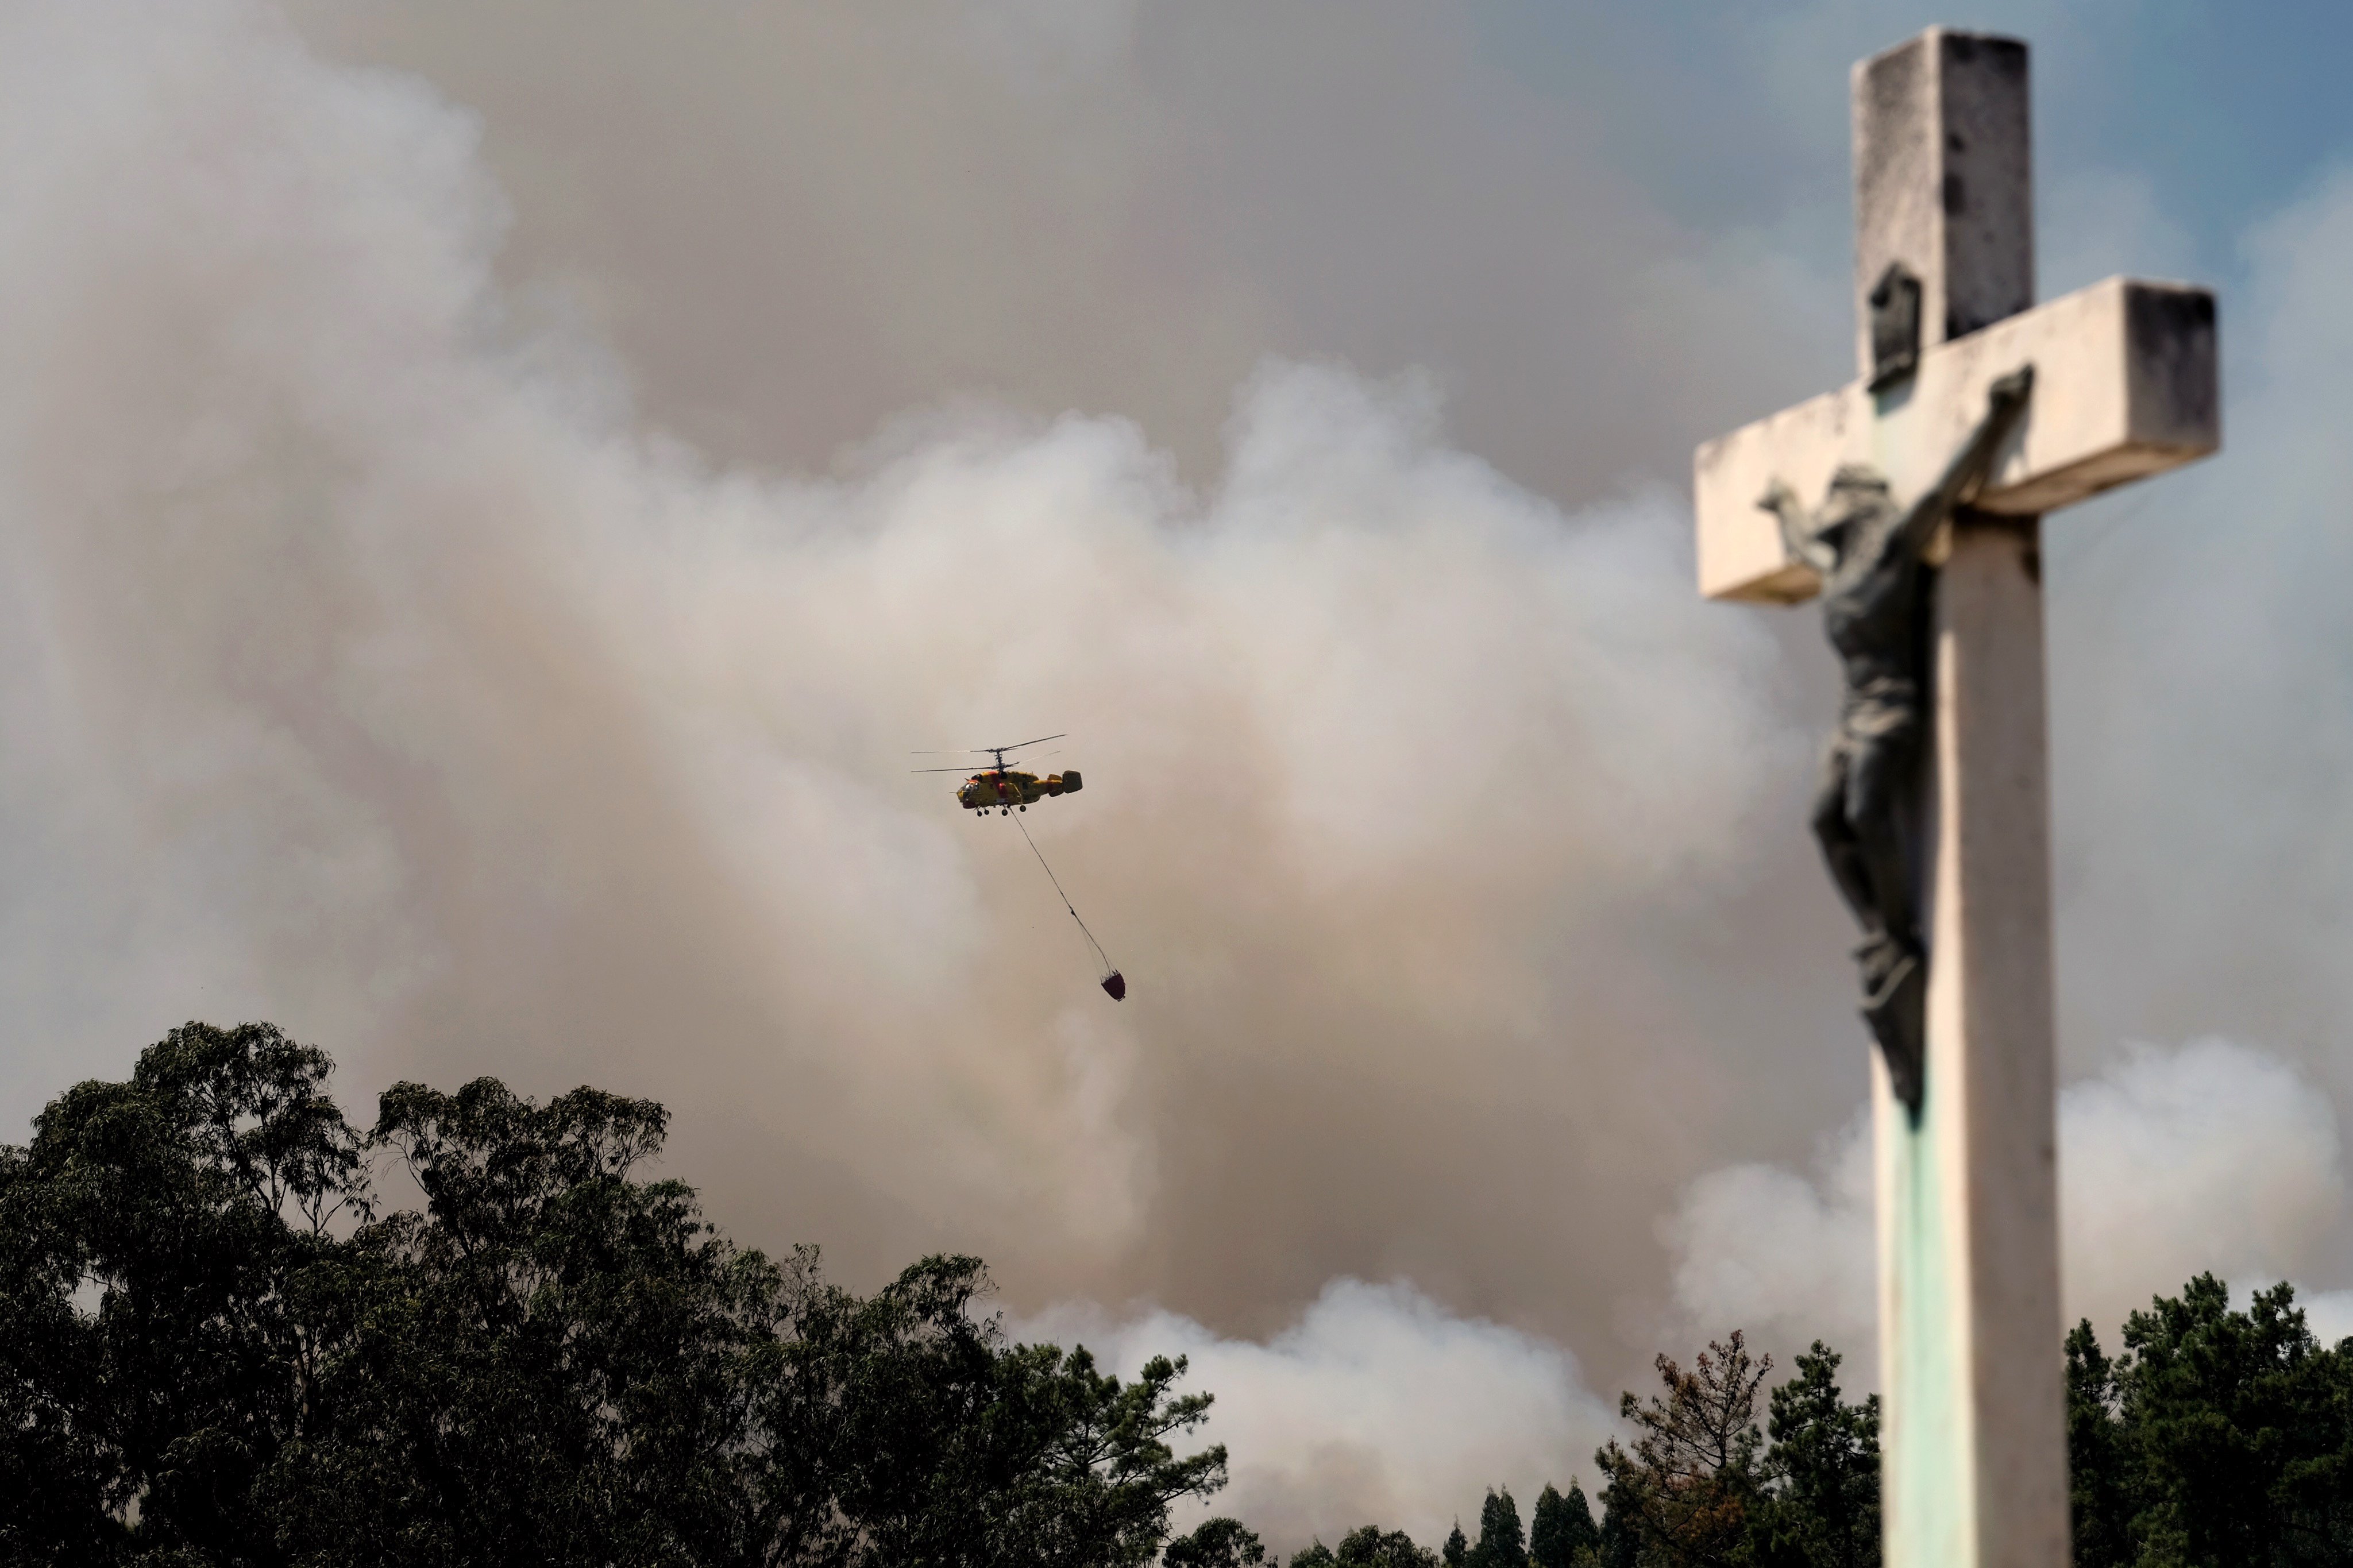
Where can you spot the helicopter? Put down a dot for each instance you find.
(1007, 791)
(1003, 789)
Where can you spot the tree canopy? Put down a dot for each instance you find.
(222, 1351)
(1563, 1532)
(2214, 1436)
(224, 1348)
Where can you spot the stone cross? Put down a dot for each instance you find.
(1974, 1444)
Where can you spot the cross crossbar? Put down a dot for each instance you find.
(2126, 386)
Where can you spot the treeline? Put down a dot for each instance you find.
(218, 1352)
(217, 1347)
(2213, 1438)
(1705, 1482)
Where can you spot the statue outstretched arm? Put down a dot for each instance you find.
(1796, 537)
(2005, 403)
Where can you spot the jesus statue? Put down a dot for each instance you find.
(1876, 581)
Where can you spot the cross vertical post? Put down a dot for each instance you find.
(1974, 1442)
(2125, 385)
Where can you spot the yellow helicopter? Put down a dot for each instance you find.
(1006, 791)
(1003, 789)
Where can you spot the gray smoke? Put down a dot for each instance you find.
(490, 494)
(2211, 1158)
(376, 674)
(1376, 1404)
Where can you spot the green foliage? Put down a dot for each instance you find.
(2097, 1468)
(1370, 1547)
(219, 1353)
(191, 1205)
(1501, 1542)
(2214, 1437)
(1821, 1507)
(1621, 1535)
(1217, 1543)
(1563, 1529)
(1702, 1486)
(2217, 1436)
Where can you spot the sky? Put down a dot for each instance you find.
(490, 493)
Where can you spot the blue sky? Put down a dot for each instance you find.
(1733, 113)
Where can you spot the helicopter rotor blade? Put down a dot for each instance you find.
(996, 751)
(981, 751)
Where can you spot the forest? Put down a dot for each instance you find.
(224, 1346)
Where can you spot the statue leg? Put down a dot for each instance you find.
(1842, 848)
(1880, 773)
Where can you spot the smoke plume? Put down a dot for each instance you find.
(1377, 1405)
(371, 670)
(2212, 1158)
(490, 495)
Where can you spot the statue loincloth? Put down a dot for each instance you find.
(1882, 711)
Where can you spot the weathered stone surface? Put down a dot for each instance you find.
(2126, 384)
(1944, 180)
(1974, 1446)
(1975, 1440)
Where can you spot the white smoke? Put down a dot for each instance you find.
(367, 669)
(1376, 1406)
(2214, 1157)
(1783, 1254)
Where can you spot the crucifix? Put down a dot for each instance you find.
(1912, 499)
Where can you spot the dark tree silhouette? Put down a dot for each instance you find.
(219, 1353)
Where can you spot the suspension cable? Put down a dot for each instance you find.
(1108, 967)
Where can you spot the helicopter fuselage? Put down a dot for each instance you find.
(995, 789)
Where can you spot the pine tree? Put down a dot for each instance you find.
(1457, 1552)
(1501, 1542)
(1823, 1471)
(1563, 1527)
(1692, 1485)
(1621, 1533)
(2238, 1428)
(2096, 1478)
